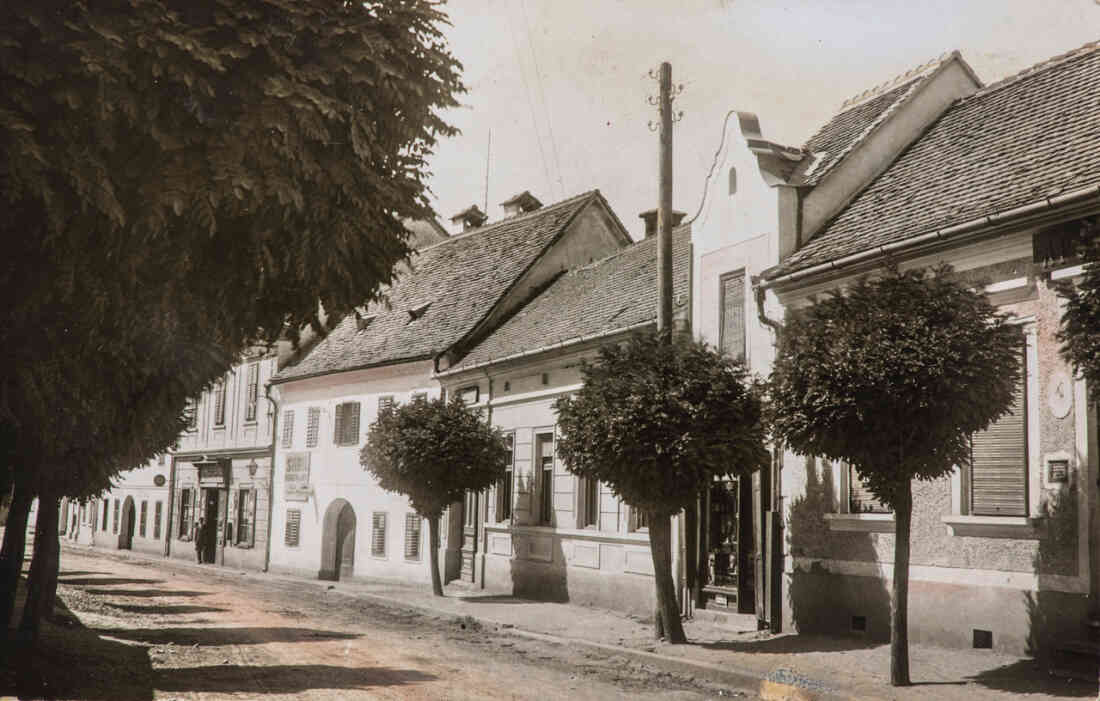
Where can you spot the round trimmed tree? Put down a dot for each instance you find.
(433, 452)
(893, 376)
(657, 419)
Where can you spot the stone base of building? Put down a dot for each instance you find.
(1012, 621)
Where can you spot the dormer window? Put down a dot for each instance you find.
(418, 311)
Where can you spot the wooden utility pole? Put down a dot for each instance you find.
(664, 204)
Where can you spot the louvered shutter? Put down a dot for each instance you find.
(338, 425)
(288, 428)
(732, 331)
(293, 526)
(862, 500)
(998, 460)
(351, 423)
(378, 535)
(313, 427)
(412, 536)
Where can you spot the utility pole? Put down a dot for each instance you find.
(664, 205)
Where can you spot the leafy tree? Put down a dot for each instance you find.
(893, 376)
(1080, 326)
(214, 170)
(656, 420)
(433, 452)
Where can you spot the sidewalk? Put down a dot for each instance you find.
(776, 667)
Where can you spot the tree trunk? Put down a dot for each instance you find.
(433, 555)
(11, 554)
(899, 605)
(660, 544)
(43, 567)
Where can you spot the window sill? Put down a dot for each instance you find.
(861, 523)
(992, 526)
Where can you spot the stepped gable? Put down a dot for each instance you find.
(1019, 141)
(611, 294)
(859, 116)
(451, 286)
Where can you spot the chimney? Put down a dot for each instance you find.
(471, 218)
(650, 218)
(520, 204)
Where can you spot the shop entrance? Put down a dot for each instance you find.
(729, 546)
(213, 511)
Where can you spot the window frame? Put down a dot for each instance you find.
(742, 273)
(252, 392)
(340, 424)
(144, 518)
(374, 534)
(158, 513)
(297, 521)
(245, 517)
(588, 504)
(287, 440)
(186, 515)
(313, 427)
(410, 518)
(219, 404)
(545, 513)
(504, 490)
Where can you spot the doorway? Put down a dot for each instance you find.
(729, 546)
(126, 533)
(210, 513)
(338, 541)
(469, 537)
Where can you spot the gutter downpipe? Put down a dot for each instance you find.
(271, 474)
(970, 226)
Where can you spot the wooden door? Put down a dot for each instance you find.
(469, 536)
(345, 543)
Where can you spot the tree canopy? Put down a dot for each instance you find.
(1080, 326)
(657, 421)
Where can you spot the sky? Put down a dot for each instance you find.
(560, 87)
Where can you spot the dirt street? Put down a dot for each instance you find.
(147, 629)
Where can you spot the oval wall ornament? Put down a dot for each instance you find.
(1060, 394)
(159, 480)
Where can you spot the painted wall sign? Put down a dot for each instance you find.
(297, 477)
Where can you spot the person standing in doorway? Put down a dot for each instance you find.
(200, 538)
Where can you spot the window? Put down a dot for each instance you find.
(161, 458)
(346, 429)
(156, 521)
(252, 392)
(860, 499)
(185, 513)
(114, 520)
(544, 460)
(191, 414)
(420, 396)
(733, 181)
(412, 536)
(731, 329)
(590, 502)
(999, 457)
(219, 403)
(106, 513)
(385, 403)
(245, 517)
(469, 395)
(313, 426)
(288, 428)
(144, 518)
(639, 520)
(378, 534)
(504, 487)
(293, 527)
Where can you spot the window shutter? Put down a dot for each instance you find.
(338, 425)
(251, 517)
(412, 536)
(219, 403)
(156, 520)
(731, 333)
(293, 526)
(861, 499)
(288, 428)
(378, 535)
(313, 426)
(350, 434)
(253, 391)
(998, 460)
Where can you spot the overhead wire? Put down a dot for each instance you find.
(530, 102)
(542, 98)
(713, 165)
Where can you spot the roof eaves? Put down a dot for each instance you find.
(276, 380)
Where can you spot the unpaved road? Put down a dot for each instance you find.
(149, 629)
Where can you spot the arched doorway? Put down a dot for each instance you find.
(338, 541)
(126, 532)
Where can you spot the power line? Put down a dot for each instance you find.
(542, 98)
(713, 165)
(530, 103)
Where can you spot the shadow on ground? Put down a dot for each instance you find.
(104, 581)
(497, 599)
(166, 609)
(224, 636)
(1028, 677)
(146, 592)
(282, 679)
(790, 644)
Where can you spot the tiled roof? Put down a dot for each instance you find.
(424, 232)
(1031, 136)
(858, 118)
(611, 294)
(460, 279)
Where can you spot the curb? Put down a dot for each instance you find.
(779, 685)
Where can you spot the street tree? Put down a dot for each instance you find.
(223, 170)
(893, 376)
(1079, 333)
(657, 419)
(433, 452)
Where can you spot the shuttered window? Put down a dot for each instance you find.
(219, 403)
(731, 331)
(156, 520)
(412, 536)
(293, 527)
(252, 392)
(144, 518)
(313, 427)
(378, 535)
(385, 403)
(288, 428)
(115, 521)
(346, 429)
(861, 499)
(998, 460)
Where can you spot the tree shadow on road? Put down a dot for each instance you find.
(1026, 677)
(146, 592)
(225, 636)
(497, 599)
(166, 609)
(103, 581)
(789, 644)
(282, 679)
